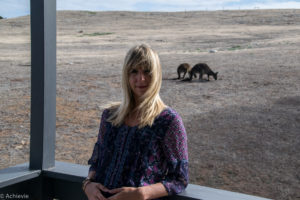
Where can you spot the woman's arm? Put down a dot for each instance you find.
(92, 174)
(176, 153)
(93, 189)
(141, 193)
(153, 191)
(93, 161)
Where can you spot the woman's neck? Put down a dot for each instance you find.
(132, 119)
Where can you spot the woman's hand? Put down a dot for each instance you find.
(126, 193)
(93, 191)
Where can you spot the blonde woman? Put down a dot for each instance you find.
(141, 151)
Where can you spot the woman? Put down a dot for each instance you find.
(141, 151)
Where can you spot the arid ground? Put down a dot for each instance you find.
(243, 129)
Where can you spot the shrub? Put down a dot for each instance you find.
(98, 34)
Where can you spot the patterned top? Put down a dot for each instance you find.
(133, 157)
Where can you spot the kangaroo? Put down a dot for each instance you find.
(201, 69)
(184, 67)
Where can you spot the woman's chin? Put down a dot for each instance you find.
(139, 93)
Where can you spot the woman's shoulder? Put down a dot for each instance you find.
(108, 111)
(168, 118)
(168, 114)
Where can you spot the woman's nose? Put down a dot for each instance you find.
(141, 76)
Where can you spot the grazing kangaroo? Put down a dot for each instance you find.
(183, 68)
(201, 69)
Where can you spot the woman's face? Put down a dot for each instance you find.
(139, 81)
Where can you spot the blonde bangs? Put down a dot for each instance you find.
(143, 63)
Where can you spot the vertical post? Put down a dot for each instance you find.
(43, 84)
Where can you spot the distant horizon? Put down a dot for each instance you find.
(160, 11)
(18, 8)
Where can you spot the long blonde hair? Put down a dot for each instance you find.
(151, 104)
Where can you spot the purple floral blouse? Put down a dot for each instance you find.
(133, 157)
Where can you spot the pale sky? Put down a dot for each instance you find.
(15, 8)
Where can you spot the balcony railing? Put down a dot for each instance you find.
(43, 177)
(64, 182)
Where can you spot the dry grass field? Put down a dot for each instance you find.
(243, 129)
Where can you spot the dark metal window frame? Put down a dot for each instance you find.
(43, 84)
(43, 177)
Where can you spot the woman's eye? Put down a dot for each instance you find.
(147, 71)
(134, 71)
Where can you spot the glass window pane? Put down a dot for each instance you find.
(88, 78)
(14, 82)
(243, 125)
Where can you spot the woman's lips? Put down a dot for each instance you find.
(141, 87)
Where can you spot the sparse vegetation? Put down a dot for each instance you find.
(1, 17)
(97, 34)
(238, 47)
(91, 12)
(200, 50)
